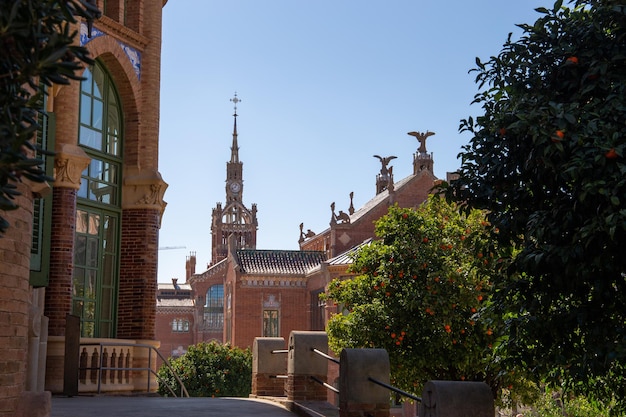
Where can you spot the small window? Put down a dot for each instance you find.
(180, 325)
(270, 323)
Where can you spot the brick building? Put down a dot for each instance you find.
(87, 246)
(247, 292)
(176, 311)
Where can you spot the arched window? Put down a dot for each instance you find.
(214, 308)
(98, 209)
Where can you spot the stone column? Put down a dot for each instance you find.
(266, 366)
(70, 161)
(142, 205)
(358, 396)
(303, 364)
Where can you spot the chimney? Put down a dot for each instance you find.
(190, 266)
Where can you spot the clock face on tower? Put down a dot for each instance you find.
(235, 187)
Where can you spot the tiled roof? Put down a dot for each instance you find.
(170, 286)
(173, 302)
(278, 262)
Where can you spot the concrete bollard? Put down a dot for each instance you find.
(267, 365)
(456, 398)
(358, 396)
(303, 363)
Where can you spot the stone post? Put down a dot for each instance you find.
(143, 357)
(456, 398)
(358, 396)
(267, 365)
(303, 364)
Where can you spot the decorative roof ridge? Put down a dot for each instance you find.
(211, 270)
(379, 198)
(279, 250)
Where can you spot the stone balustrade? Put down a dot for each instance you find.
(105, 365)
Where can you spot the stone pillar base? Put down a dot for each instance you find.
(265, 386)
(304, 388)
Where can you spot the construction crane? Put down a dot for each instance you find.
(172, 247)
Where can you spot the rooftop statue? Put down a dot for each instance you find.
(421, 137)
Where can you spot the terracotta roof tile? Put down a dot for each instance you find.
(278, 262)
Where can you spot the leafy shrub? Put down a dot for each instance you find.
(554, 404)
(210, 369)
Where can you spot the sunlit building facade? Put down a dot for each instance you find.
(86, 245)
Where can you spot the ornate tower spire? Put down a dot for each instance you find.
(234, 149)
(233, 223)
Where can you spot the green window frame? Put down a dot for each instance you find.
(94, 284)
(95, 280)
(42, 204)
(271, 323)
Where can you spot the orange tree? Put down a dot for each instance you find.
(423, 294)
(546, 159)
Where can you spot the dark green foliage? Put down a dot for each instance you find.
(547, 160)
(36, 41)
(210, 370)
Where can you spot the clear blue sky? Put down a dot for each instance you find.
(324, 86)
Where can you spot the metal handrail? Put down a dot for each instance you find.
(394, 389)
(322, 354)
(183, 389)
(319, 381)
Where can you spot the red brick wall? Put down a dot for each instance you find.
(14, 293)
(248, 320)
(59, 292)
(169, 339)
(138, 274)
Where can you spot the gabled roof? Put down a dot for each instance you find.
(278, 262)
(379, 198)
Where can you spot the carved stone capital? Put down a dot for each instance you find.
(69, 162)
(143, 190)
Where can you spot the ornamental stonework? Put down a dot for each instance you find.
(144, 190)
(70, 161)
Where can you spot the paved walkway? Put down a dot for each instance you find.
(103, 406)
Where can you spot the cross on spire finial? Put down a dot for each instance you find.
(235, 100)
